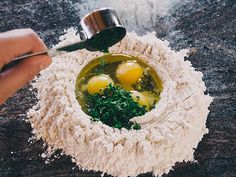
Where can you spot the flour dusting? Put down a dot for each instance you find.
(136, 15)
(169, 133)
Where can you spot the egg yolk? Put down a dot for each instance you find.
(129, 73)
(140, 98)
(98, 83)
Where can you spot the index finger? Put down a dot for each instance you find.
(17, 42)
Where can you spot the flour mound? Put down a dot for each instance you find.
(169, 133)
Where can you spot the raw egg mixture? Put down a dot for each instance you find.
(116, 87)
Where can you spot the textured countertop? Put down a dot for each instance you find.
(208, 26)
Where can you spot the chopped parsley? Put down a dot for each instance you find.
(146, 83)
(114, 107)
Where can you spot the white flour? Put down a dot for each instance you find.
(138, 15)
(169, 133)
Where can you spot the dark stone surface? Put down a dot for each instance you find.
(208, 26)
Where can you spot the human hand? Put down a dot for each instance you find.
(13, 44)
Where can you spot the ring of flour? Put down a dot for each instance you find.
(169, 133)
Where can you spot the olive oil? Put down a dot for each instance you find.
(108, 64)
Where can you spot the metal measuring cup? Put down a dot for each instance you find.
(101, 29)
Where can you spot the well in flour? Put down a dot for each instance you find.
(115, 88)
(170, 132)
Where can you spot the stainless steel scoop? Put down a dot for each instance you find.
(101, 29)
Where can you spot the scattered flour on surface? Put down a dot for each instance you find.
(169, 133)
(136, 15)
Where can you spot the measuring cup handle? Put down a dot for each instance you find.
(72, 47)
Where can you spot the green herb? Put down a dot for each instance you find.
(114, 108)
(136, 126)
(101, 66)
(146, 83)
